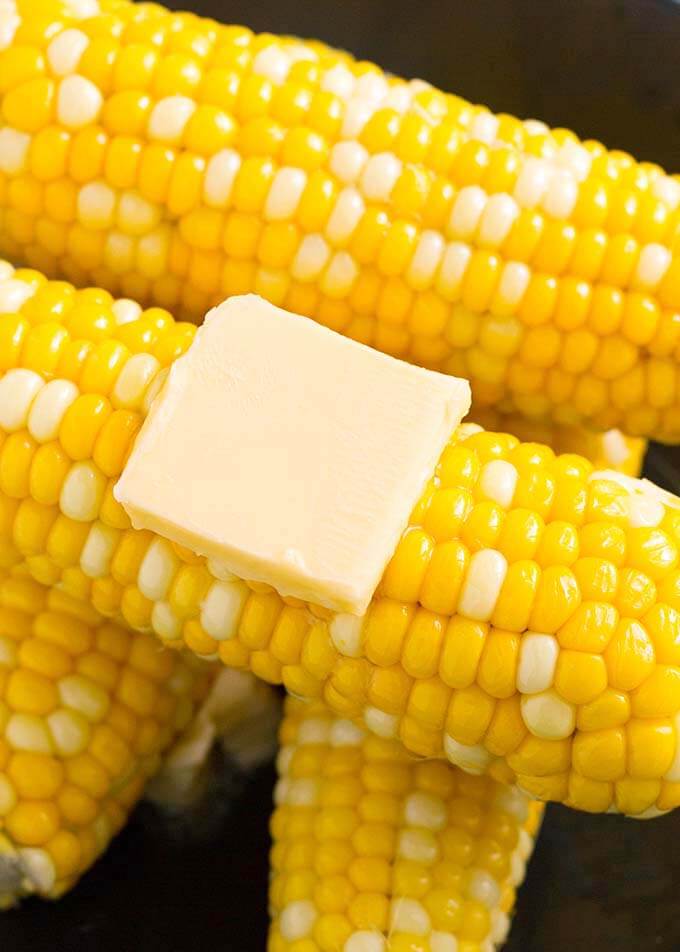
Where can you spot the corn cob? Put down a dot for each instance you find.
(86, 710)
(610, 450)
(527, 623)
(374, 851)
(177, 161)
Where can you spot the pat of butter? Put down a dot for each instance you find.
(290, 454)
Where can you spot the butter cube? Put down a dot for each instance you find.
(288, 453)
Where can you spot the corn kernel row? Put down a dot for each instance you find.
(86, 710)
(177, 161)
(374, 851)
(610, 450)
(527, 623)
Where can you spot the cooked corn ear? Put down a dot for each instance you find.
(177, 161)
(377, 852)
(528, 622)
(87, 709)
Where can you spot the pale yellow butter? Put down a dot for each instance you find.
(290, 454)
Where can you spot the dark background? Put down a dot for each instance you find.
(608, 69)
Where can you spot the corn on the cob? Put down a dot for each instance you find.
(178, 161)
(527, 623)
(86, 711)
(610, 450)
(374, 851)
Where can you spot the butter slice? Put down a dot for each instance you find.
(288, 453)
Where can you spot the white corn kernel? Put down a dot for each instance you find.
(357, 114)
(410, 916)
(65, 50)
(344, 733)
(222, 609)
(347, 160)
(466, 212)
(346, 215)
(538, 654)
(652, 264)
(482, 887)
(273, 63)
(158, 569)
(82, 9)
(83, 695)
(472, 758)
(296, 919)
(575, 159)
(98, 550)
(426, 810)
(28, 732)
(38, 869)
(399, 98)
(164, 621)
(70, 731)
(420, 846)
(500, 927)
(380, 175)
(82, 492)
(169, 117)
(452, 271)
(381, 723)
(303, 792)
(644, 510)
(18, 389)
(13, 150)
(313, 730)
(125, 311)
(560, 199)
(365, 941)
(484, 127)
(48, 409)
(14, 294)
(511, 800)
(96, 205)
(339, 80)
(548, 716)
(371, 87)
(136, 216)
(310, 259)
(614, 447)
(532, 182)
(667, 190)
(443, 942)
(498, 481)
(133, 381)
(9, 24)
(514, 281)
(220, 175)
(482, 584)
(219, 571)
(425, 261)
(497, 219)
(339, 276)
(345, 632)
(285, 194)
(78, 102)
